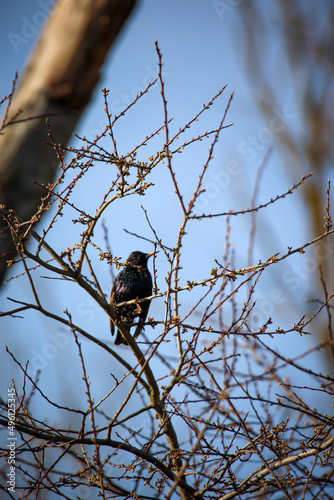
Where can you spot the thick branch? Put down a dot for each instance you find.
(119, 445)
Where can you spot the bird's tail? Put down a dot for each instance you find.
(120, 339)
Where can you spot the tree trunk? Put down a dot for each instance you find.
(58, 83)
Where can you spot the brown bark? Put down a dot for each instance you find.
(58, 82)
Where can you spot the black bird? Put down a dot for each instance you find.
(134, 281)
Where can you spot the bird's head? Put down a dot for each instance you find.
(138, 258)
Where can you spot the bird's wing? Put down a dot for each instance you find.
(118, 294)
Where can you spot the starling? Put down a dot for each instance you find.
(134, 281)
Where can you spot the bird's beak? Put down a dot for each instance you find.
(148, 255)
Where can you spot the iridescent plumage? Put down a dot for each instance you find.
(134, 281)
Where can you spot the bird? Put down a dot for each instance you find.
(134, 281)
